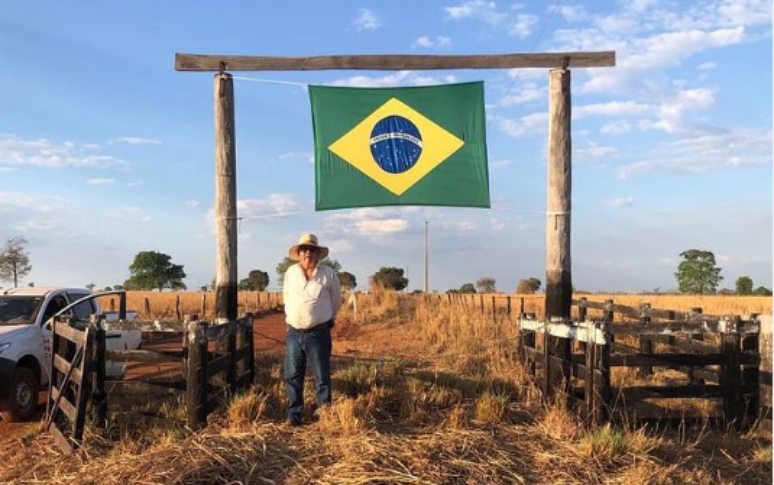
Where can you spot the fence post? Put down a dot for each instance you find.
(494, 306)
(204, 306)
(646, 343)
(112, 304)
(251, 345)
(177, 307)
(122, 306)
(521, 306)
(508, 301)
(231, 376)
(764, 369)
(590, 390)
(481, 302)
(147, 308)
(99, 397)
(547, 374)
(583, 308)
(730, 374)
(196, 389)
(692, 314)
(602, 384)
(608, 317)
(84, 389)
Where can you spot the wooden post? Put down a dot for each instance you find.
(764, 369)
(231, 374)
(196, 388)
(251, 345)
(731, 376)
(508, 300)
(521, 306)
(548, 388)
(147, 308)
(494, 306)
(204, 306)
(99, 396)
(558, 260)
(84, 389)
(481, 303)
(608, 317)
(177, 307)
(112, 304)
(225, 200)
(583, 308)
(602, 381)
(122, 306)
(646, 344)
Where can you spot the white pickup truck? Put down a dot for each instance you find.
(25, 342)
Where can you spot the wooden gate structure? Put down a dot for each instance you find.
(558, 259)
(216, 361)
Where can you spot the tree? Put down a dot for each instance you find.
(486, 285)
(744, 286)
(14, 261)
(287, 263)
(347, 280)
(390, 278)
(528, 286)
(698, 272)
(91, 286)
(762, 291)
(118, 287)
(107, 288)
(467, 288)
(151, 270)
(256, 280)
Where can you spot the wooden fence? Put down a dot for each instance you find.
(215, 361)
(718, 357)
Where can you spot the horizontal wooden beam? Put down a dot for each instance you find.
(392, 62)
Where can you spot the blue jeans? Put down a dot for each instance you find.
(314, 345)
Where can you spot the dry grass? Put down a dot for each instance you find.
(424, 393)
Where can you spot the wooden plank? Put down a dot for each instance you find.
(141, 388)
(64, 405)
(84, 390)
(581, 332)
(764, 369)
(388, 62)
(666, 360)
(72, 334)
(143, 356)
(217, 332)
(682, 392)
(61, 441)
(64, 367)
(674, 327)
(219, 364)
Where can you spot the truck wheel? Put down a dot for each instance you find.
(21, 403)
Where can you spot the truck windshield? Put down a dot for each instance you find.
(19, 310)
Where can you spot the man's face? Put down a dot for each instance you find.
(308, 256)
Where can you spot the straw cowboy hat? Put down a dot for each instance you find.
(307, 240)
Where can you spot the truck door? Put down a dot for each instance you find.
(55, 304)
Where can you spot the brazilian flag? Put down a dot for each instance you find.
(400, 146)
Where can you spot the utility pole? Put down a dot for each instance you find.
(427, 284)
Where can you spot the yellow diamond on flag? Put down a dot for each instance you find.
(396, 146)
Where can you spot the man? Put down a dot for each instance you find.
(312, 298)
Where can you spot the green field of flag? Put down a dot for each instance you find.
(400, 146)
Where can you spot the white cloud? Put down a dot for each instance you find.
(428, 42)
(136, 140)
(707, 66)
(622, 202)
(527, 92)
(501, 163)
(674, 107)
(616, 128)
(593, 150)
(612, 108)
(366, 20)
(572, 13)
(272, 206)
(368, 222)
(134, 214)
(517, 24)
(522, 25)
(531, 124)
(193, 203)
(400, 78)
(101, 181)
(15, 152)
(302, 156)
(722, 149)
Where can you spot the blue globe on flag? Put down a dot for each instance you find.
(396, 144)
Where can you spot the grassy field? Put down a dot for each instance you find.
(162, 306)
(425, 392)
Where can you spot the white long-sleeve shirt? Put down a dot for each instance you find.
(311, 303)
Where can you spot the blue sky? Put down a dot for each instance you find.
(106, 150)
